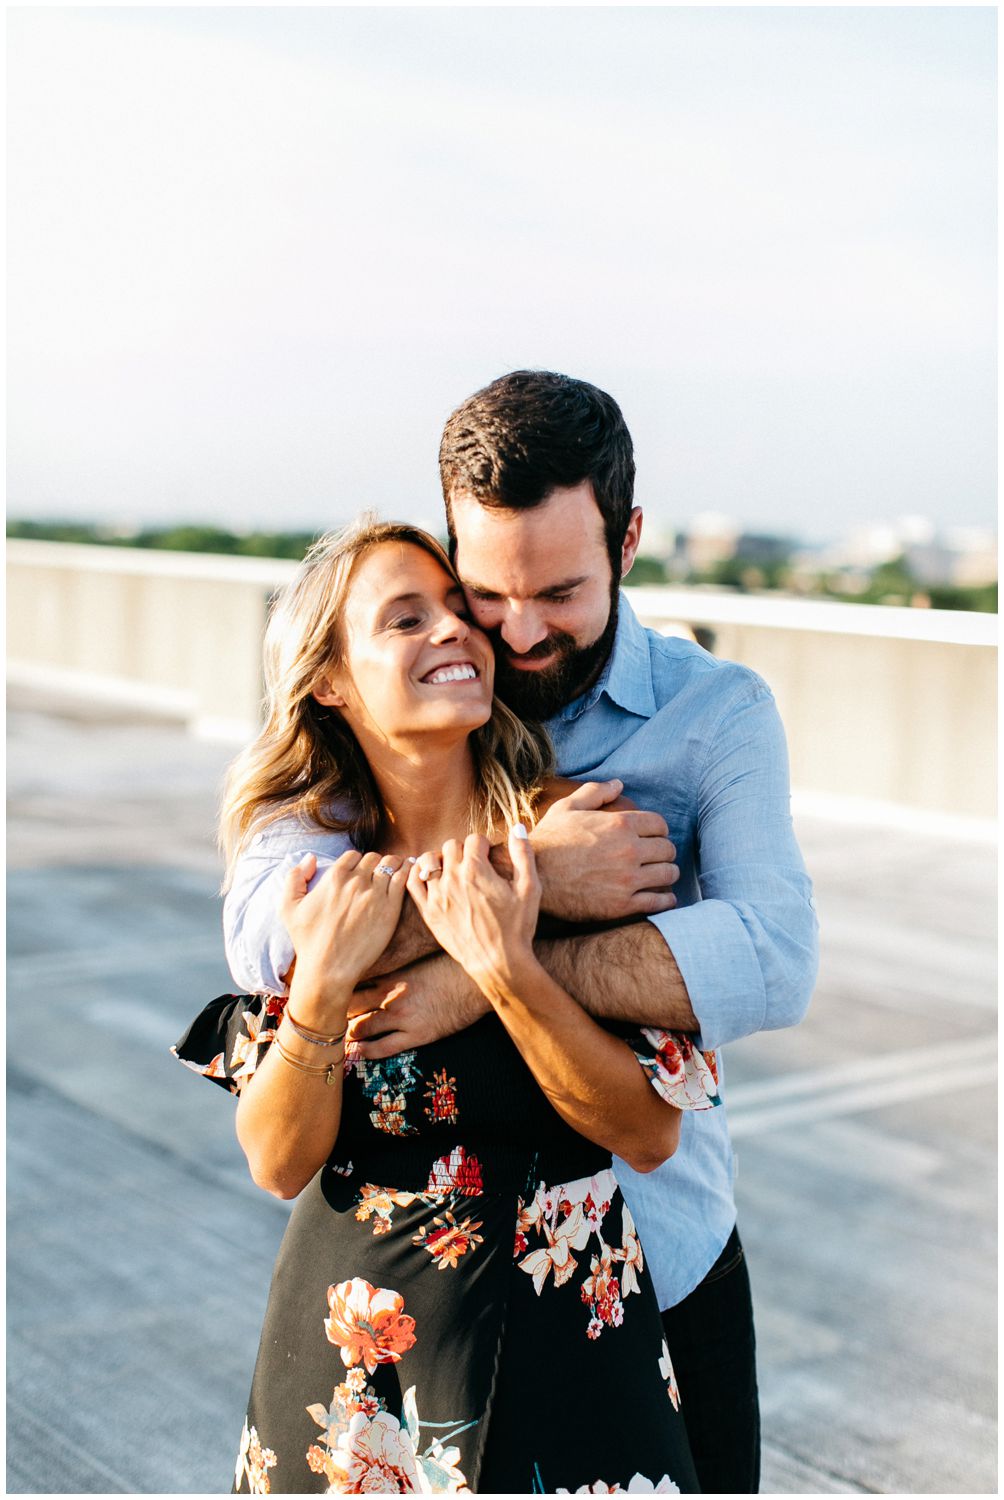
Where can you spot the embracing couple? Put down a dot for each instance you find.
(505, 869)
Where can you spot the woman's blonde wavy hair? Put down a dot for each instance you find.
(306, 762)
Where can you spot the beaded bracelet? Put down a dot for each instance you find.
(330, 1071)
(315, 1038)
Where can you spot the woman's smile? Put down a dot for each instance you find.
(459, 671)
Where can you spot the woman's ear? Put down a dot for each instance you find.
(324, 691)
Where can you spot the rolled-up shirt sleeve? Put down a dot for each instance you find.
(748, 950)
(258, 947)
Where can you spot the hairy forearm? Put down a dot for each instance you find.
(411, 942)
(591, 1078)
(624, 973)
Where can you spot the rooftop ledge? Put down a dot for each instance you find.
(695, 605)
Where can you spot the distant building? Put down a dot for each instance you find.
(710, 538)
(763, 550)
(958, 559)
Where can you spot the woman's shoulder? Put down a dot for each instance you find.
(295, 831)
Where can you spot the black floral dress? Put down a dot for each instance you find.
(460, 1301)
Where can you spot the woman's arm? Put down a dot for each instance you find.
(592, 1078)
(288, 1118)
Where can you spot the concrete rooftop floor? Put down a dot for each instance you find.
(139, 1252)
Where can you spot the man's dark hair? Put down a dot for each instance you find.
(534, 431)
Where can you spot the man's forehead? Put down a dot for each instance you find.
(525, 552)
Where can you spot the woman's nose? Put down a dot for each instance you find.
(451, 627)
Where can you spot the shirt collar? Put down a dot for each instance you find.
(627, 677)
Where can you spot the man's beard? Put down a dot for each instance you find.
(540, 694)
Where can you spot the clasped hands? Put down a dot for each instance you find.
(591, 856)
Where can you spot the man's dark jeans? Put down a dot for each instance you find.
(713, 1349)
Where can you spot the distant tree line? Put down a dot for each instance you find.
(286, 544)
(889, 582)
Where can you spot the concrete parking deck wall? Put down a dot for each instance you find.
(884, 707)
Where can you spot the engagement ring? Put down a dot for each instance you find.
(384, 870)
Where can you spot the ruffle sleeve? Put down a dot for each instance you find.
(679, 1072)
(227, 1040)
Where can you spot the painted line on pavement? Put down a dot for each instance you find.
(941, 1084)
(926, 1060)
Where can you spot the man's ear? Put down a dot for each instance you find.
(324, 691)
(631, 539)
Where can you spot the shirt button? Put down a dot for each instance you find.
(258, 838)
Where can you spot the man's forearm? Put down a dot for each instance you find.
(625, 973)
(412, 941)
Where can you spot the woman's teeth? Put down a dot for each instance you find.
(452, 674)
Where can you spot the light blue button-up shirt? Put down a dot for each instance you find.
(698, 740)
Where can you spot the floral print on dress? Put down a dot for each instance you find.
(666, 1371)
(442, 1096)
(679, 1072)
(446, 1240)
(457, 1172)
(582, 1276)
(248, 1032)
(363, 1448)
(567, 1217)
(639, 1485)
(368, 1324)
(601, 1292)
(387, 1083)
(375, 1453)
(246, 1057)
(557, 1255)
(379, 1204)
(253, 1462)
(630, 1254)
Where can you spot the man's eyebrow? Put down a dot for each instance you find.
(564, 587)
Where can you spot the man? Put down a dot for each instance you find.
(538, 477)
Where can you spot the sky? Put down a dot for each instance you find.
(256, 256)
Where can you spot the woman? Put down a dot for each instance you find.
(460, 1300)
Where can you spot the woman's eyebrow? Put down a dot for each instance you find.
(416, 595)
(409, 598)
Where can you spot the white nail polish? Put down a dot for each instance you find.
(519, 831)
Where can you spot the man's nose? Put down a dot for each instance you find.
(522, 628)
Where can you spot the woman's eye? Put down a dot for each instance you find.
(559, 598)
(406, 622)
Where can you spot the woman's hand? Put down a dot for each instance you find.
(341, 926)
(484, 922)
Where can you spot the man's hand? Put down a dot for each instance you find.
(600, 861)
(412, 1007)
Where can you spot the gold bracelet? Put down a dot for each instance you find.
(315, 1038)
(330, 1071)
